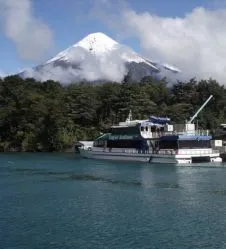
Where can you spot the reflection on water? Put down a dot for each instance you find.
(85, 177)
(164, 176)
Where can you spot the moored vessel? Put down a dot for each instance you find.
(154, 140)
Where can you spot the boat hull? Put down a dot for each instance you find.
(114, 156)
(149, 157)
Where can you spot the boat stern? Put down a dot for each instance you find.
(85, 152)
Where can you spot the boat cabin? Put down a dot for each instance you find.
(184, 142)
(134, 134)
(222, 133)
(152, 135)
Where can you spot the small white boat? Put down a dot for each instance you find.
(154, 140)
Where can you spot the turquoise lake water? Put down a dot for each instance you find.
(61, 201)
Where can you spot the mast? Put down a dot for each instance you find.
(200, 109)
(129, 118)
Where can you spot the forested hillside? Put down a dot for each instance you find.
(47, 116)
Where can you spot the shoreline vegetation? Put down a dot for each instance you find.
(49, 117)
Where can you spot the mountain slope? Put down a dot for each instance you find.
(97, 57)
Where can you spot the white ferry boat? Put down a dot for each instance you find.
(154, 140)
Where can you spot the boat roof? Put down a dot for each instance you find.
(152, 121)
(103, 136)
(185, 137)
(159, 120)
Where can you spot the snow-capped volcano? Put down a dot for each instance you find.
(97, 57)
(97, 44)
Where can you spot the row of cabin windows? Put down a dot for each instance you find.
(123, 137)
(137, 144)
(102, 142)
(184, 144)
(152, 128)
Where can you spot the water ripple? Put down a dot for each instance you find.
(64, 175)
(49, 201)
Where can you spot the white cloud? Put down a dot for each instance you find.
(196, 43)
(110, 67)
(91, 68)
(2, 74)
(31, 36)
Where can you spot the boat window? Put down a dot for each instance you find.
(153, 129)
(142, 128)
(187, 144)
(98, 143)
(146, 128)
(125, 130)
(168, 144)
(138, 144)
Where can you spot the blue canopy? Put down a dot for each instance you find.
(145, 123)
(159, 120)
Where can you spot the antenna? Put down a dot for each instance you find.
(200, 109)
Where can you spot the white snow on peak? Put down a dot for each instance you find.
(171, 68)
(97, 43)
(100, 45)
(103, 47)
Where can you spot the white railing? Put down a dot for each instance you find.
(195, 152)
(119, 150)
(188, 152)
(170, 133)
(161, 152)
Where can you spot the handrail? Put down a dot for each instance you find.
(204, 151)
(176, 133)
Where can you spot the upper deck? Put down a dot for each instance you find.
(154, 128)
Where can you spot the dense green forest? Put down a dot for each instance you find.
(47, 116)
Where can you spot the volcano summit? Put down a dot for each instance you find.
(97, 57)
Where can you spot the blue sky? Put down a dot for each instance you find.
(71, 20)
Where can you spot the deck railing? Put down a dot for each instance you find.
(200, 151)
(176, 133)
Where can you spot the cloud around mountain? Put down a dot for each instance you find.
(2, 74)
(97, 57)
(194, 42)
(82, 66)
